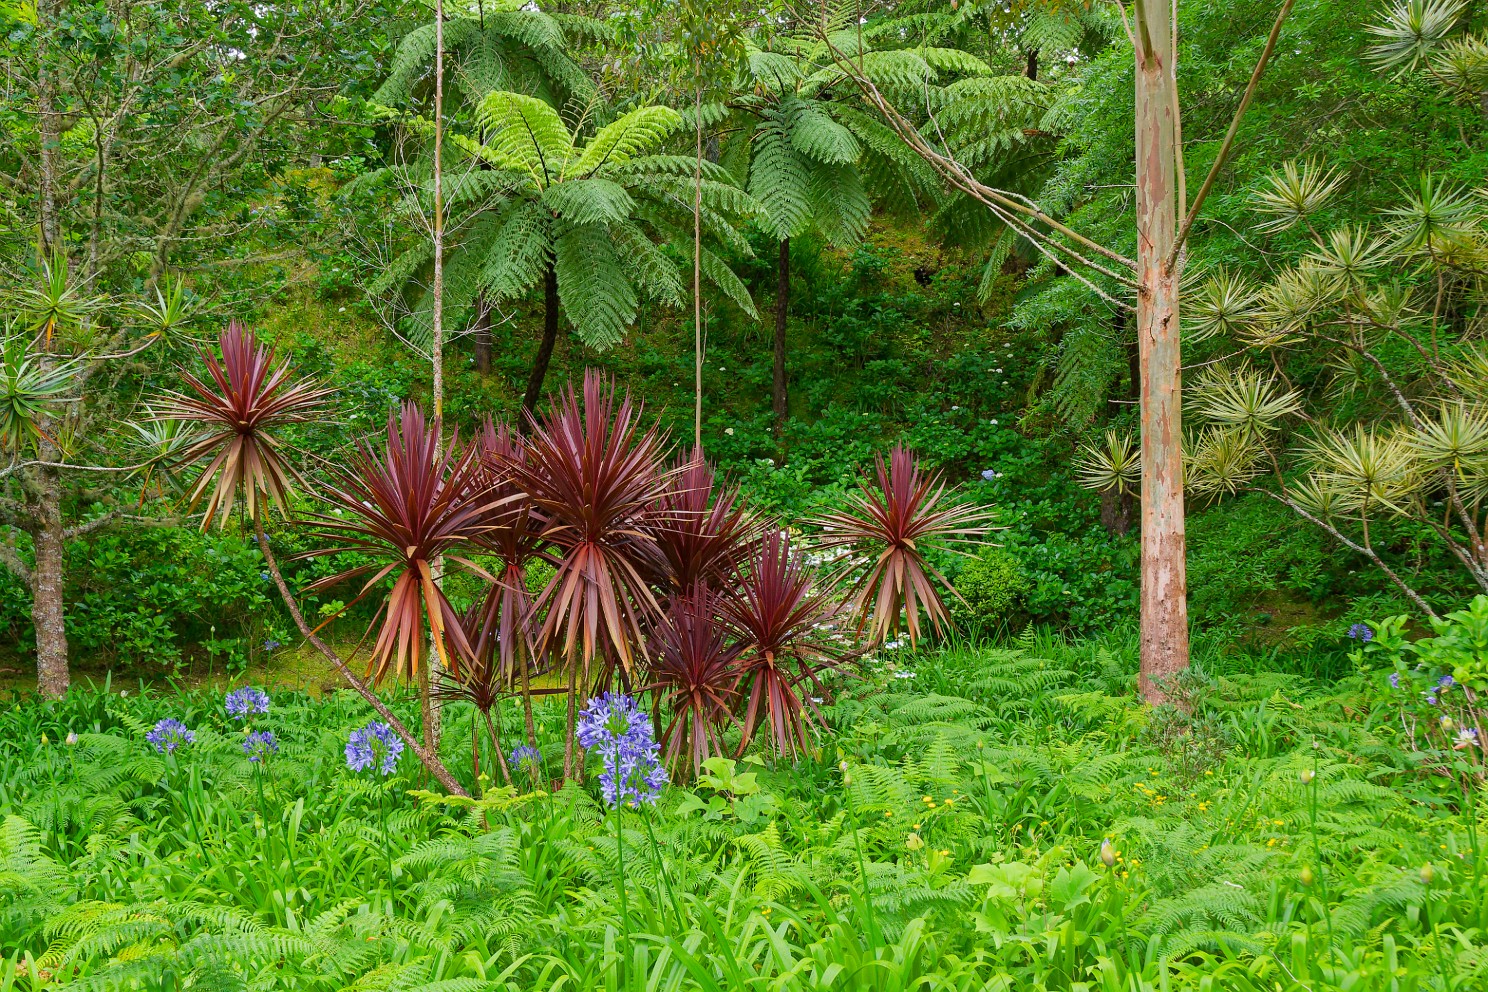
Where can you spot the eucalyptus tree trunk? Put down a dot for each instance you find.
(1164, 605)
(782, 306)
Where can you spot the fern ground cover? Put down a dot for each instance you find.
(980, 819)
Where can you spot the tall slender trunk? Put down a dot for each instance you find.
(49, 128)
(47, 585)
(428, 704)
(549, 338)
(1164, 638)
(697, 274)
(782, 306)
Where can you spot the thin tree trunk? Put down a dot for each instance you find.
(782, 305)
(428, 673)
(697, 274)
(1031, 68)
(429, 758)
(47, 587)
(1164, 605)
(48, 129)
(544, 350)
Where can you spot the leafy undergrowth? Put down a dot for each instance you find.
(953, 833)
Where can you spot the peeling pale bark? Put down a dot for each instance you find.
(1164, 601)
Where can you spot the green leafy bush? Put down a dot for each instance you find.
(991, 587)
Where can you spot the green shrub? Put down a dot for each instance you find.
(993, 585)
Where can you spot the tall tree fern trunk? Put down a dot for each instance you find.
(549, 338)
(782, 306)
(481, 335)
(1164, 638)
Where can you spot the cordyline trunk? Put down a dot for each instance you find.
(1164, 640)
(428, 757)
(782, 305)
(549, 338)
(47, 582)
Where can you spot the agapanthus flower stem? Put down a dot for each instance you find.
(618, 816)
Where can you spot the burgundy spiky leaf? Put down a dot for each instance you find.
(245, 399)
(405, 507)
(514, 535)
(702, 531)
(893, 525)
(595, 477)
(784, 619)
(695, 674)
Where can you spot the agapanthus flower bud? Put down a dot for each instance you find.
(1428, 873)
(1107, 853)
(1307, 775)
(1305, 876)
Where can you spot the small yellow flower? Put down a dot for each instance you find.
(1208, 771)
(888, 814)
(926, 799)
(766, 911)
(917, 826)
(945, 854)
(1279, 823)
(1203, 807)
(948, 801)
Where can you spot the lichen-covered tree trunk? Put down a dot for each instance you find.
(1164, 638)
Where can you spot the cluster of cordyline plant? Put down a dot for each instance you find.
(663, 582)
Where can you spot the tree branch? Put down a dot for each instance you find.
(1229, 138)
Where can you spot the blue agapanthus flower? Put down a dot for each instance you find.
(170, 734)
(259, 745)
(1361, 632)
(373, 744)
(1394, 680)
(616, 728)
(243, 703)
(1446, 682)
(989, 474)
(526, 758)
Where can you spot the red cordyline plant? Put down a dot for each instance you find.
(784, 622)
(595, 477)
(405, 507)
(248, 402)
(893, 525)
(500, 627)
(695, 674)
(702, 532)
(243, 400)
